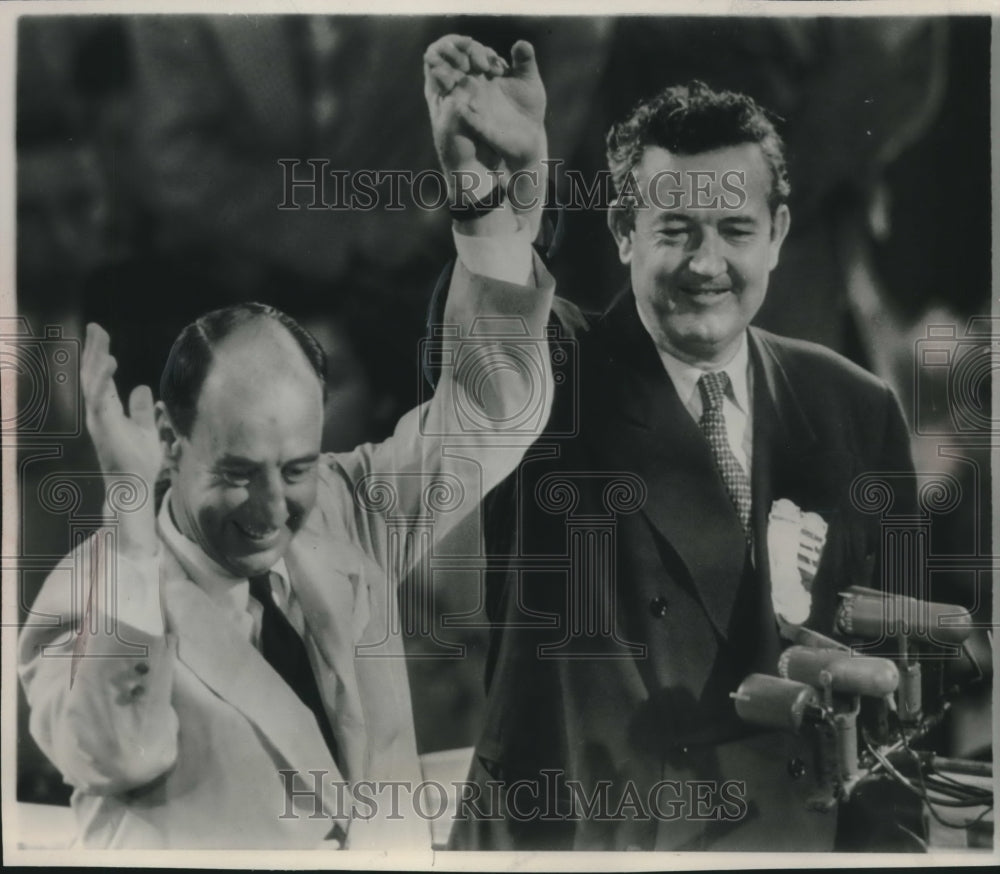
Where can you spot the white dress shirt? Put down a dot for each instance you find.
(506, 257)
(737, 409)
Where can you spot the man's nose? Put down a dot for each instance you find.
(707, 260)
(269, 499)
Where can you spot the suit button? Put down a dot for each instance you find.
(796, 768)
(658, 607)
(141, 668)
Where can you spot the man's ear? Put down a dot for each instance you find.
(621, 223)
(169, 438)
(780, 223)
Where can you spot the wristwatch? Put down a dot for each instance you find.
(493, 200)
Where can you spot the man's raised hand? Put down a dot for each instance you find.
(486, 114)
(124, 443)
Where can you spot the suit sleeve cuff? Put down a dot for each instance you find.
(506, 257)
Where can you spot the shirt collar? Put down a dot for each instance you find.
(685, 376)
(221, 586)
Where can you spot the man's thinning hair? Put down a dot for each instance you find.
(690, 119)
(194, 349)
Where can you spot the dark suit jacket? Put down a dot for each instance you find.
(630, 608)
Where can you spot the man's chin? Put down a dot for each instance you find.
(253, 564)
(699, 347)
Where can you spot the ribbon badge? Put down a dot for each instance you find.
(795, 543)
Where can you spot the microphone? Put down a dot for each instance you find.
(855, 675)
(774, 702)
(872, 615)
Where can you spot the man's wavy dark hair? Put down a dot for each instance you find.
(693, 118)
(192, 353)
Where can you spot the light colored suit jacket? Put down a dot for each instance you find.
(178, 738)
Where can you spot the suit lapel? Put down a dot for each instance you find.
(645, 428)
(215, 651)
(330, 600)
(791, 460)
(770, 442)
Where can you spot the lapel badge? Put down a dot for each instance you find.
(795, 543)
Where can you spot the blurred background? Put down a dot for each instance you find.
(148, 190)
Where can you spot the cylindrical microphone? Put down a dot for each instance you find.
(774, 702)
(874, 616)
(855, 675)
(911, 702)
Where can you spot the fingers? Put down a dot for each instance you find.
(465, 54)
(441, 78)
(453, 50)
(483, 124)
(523, 55)
(484, 60)
(140, 407)
(96, 359)
(97, 369)
(448, 60)
(95, 343)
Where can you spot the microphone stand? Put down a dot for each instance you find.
(910, 679)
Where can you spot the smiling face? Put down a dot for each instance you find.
(245, 478)
(700, 259)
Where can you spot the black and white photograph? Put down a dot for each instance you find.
(508, 435)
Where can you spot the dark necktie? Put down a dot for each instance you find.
(713, 387)
(285, 651)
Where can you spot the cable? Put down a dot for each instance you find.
(924, 797)
(944, 776)
(960, 825)
(945, 784)
(971, 796)
(967, 802)
(919, 840)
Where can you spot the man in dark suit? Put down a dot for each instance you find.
(646, 576)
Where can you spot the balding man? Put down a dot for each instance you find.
(227, 672)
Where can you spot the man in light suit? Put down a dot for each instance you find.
(642, 589)
(209, 675)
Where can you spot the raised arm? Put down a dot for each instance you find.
(99, 679)
(494, 390)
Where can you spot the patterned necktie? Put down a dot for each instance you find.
(285, 651)
(713, 387)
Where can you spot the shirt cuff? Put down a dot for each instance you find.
(138, 594)
(506, 257)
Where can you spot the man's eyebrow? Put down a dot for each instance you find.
(242, 461)
(235, 461)
(665, 216)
